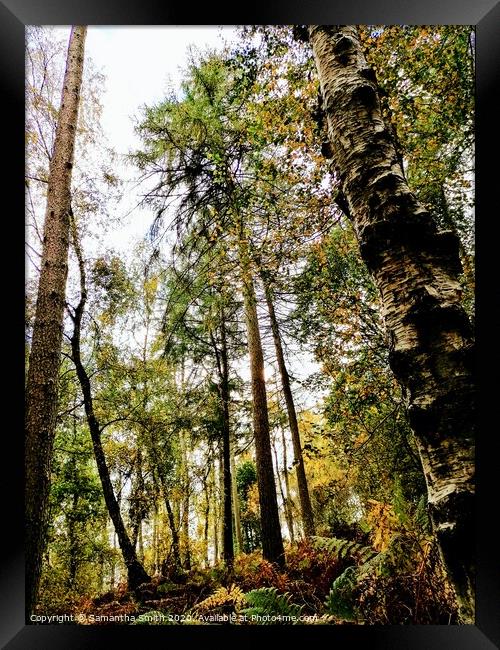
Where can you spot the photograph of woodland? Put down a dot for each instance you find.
(249, 325)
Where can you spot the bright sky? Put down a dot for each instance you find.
(140, 65)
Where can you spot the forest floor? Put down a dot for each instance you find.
(343, 582)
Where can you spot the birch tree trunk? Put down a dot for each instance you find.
(289, 500)
(45, 354)
(284, 498)
(415, 268)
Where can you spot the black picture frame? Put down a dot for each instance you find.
(485, 15)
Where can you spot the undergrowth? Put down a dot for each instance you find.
(393, 576)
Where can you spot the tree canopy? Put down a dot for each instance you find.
(235, 421)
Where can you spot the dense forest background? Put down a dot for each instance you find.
(232, 439)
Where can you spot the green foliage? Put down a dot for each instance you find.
(246, 481)
(271, 607)
(389, 586)
(340, 600)
(405, 585)
(237, 153)
(410, 515)
(246, 476)
(364, 424)
(405, 568)
(167, 587)
(310, 571)
(112, 285)
(427, 77)
(344, 548)
(78, 549)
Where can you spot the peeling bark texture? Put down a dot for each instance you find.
(304, 498)
(272, 541)
(135, 571)
(45, 354)
(415, 267)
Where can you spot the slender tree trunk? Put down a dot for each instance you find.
(185, 504)
(415, 268)
(101, 565)
(136, 510)
(71, 519)
(135, 571)
(221, 502)
(272, 542)
(304, 498)
(181, 496)
(288, 517)
(174, 530)
(161, 479)
(185, 531)
(119, 488)
(45, 354)
(236, 501)
(134, 534)
(73, 543)
(113, 565)
(176, 509)
(206, 519)
(156, 554)
(140, 555)
(227, 542)
(215, 518)
(289, 500)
